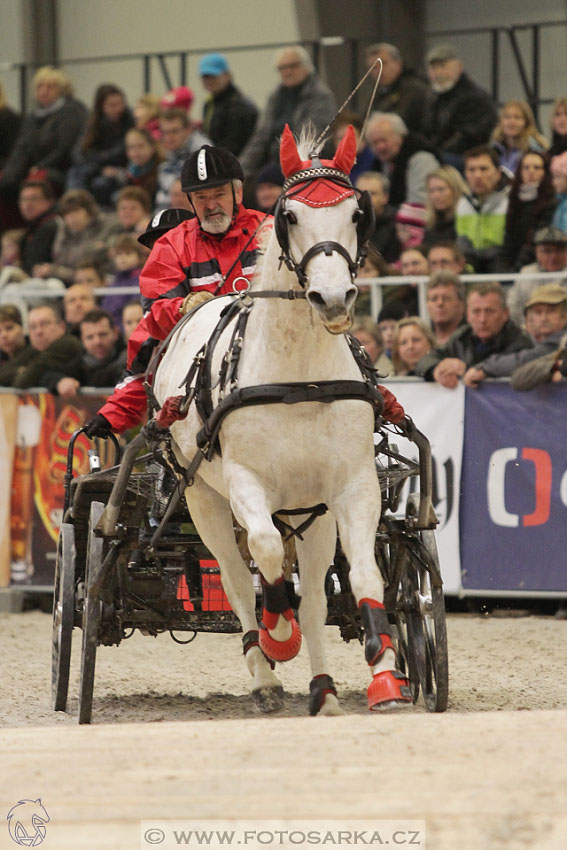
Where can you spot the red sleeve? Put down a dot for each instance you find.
(162, 271)
(127, 405)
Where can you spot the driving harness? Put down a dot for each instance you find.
(200, 382)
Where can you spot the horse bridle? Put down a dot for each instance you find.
(363, 216)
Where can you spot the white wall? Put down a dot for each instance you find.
(113, 27)
(121, 27)
(11, 45)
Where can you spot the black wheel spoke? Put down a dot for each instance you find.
(63, 616)
(91, 616)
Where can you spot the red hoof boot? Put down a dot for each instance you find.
(281, 650)
(389, 689)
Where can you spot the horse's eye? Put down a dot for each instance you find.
(291, 217)
(357, 215)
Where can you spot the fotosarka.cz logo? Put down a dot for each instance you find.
(26, 823)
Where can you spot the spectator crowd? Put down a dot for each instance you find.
(457, 185)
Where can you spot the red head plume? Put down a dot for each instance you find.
(291, 162)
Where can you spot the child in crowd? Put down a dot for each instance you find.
(133, 209)
(12, 336)
(144, 156)
(129, 257)
(367, 332)
(11, 248)
(147, 111)
(131, 316)
(374, 266)
(90, 273)
(388, 319)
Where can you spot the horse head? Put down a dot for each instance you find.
(319, 220)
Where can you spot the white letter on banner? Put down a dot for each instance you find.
(563, 488)
(495, 488)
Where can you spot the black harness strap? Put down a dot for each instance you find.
(283, 526)
(292, 393)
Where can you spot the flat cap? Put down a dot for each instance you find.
(441, 53)
(548, 293)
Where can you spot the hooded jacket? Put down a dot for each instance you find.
(185, 259)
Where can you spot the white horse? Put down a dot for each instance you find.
(280, 456)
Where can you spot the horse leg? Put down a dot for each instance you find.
(280, 636)
(357, 512)
(211, 514)
(315, 554)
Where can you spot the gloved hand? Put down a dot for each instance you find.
(99, 426)
(392, 410)
(194, 299)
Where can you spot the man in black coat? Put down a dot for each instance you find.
(229, 117)
(401, 90)
(459, 114)
(37, 208)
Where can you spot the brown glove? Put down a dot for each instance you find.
(194, 299)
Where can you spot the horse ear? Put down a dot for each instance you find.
(345, 155)
(289, 157)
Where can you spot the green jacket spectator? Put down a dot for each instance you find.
(480, 217)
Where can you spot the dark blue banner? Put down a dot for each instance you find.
(513, 509)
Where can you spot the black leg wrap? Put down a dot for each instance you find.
(252, 638)
(318, 688)
(292, 596)
(276, 600)
(376, 628)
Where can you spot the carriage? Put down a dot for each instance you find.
(277, 429)
(108, 586)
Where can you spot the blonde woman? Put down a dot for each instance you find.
(412, 341)
(558, 127)
(444, 187)
(47, 135)
(515, 134)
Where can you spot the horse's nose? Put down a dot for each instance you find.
(332, 303)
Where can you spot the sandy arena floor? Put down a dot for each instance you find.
(490, 774)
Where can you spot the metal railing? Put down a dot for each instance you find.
(163, 61)
(375, 284)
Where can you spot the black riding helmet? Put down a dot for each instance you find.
(209, 167)
(162, 222)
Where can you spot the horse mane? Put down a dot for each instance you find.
(306, 141)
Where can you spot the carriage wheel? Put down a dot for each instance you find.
(63, 616)
(386, 556)
(91, 616)
(427, 629)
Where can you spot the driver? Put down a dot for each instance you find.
(187, 266)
